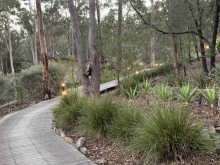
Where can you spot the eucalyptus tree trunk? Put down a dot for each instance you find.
(119, 41)
(7, 37)
(152, 40)
(101, 53)
(73, 44)
(9, 45)
(173, 26)
(46, 83)
(2, 65)
(196, 47)
(198, 25)
(94, 58)
(33, 37)
(175, 54)
(215, 32)
(81, 55)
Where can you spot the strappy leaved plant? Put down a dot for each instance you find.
(186, 93)
(74, 83)
(146, 86)
(210, 94)
(132, 93)
(162, 92)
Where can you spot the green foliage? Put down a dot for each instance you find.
(163, 92)
(98, 117)
(186, 93)
(175, 80)
(216, 74)
(107, 72)
(146, 86)
(201, 79)
(133, 93)
(128, 84)
(73, 83)
(7, 90)
(215, 138)
(69, 110)
(124, 123)
(160, 70)
(210, 94)
(169, 134)
(31, 78)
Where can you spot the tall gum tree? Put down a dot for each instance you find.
(215, 32)
(46, 83)
(7, 9)
(152, 40)
(90, 87)
(119, 40)
(101, 53)
(94, 58)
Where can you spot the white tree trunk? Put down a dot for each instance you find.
(10, 51)
(33, 37)
(152, 41)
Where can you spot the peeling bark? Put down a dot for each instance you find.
(46, 83)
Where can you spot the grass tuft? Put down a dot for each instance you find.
(125, 122)
(97, 119)
(168, 134)
(69, 110)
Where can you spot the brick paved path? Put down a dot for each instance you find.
(26, 138)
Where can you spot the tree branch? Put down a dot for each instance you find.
(165, 32)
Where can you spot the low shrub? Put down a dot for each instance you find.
(186, 93)
(133, 93)
(163, 92)
(125, 122)
(201, 79)
(98, 117)
(210, 94)
(146, 86)
(148, 73)
(69, 110)
(128, 84)
(175, 80)
(169, 134)
(8, 89)
(31, 79)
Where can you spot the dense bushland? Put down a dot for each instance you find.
(29, 82)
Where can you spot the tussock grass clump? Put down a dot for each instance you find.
(168, 134)
(97, 119)
(69, 110)
(201, 79)
(125, 122)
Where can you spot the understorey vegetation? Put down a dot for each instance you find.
(157, 120)
(164, 133)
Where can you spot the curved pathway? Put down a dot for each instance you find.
(26, 138)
